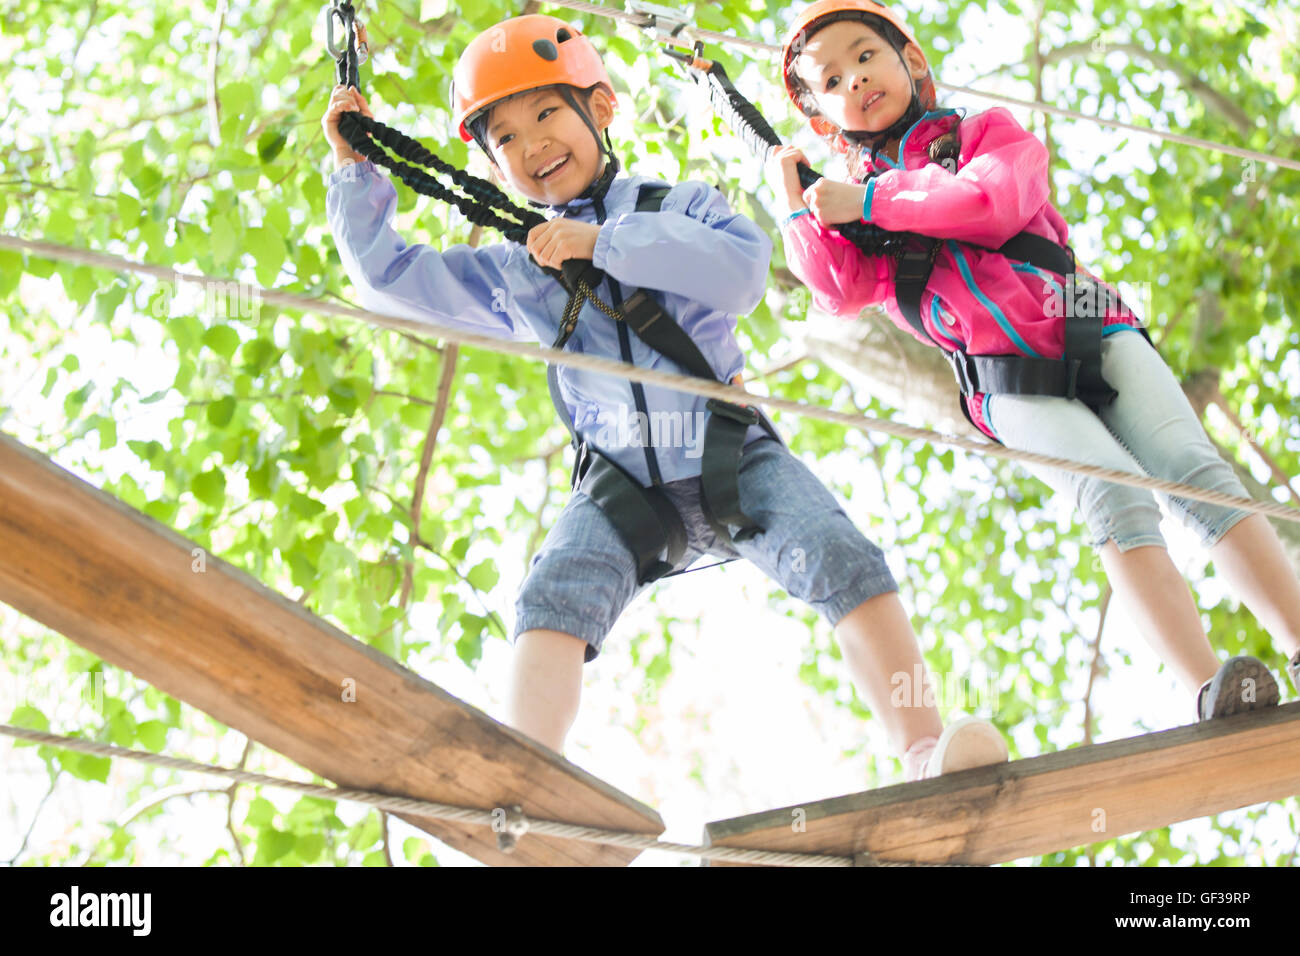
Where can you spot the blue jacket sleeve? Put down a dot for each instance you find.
(694, 246)
(462, 286)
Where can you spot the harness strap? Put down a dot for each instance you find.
(724, 442)
(645, 519)
(1076, 375)
(729, 423)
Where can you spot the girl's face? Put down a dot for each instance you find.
(543, 148)
(859, 82)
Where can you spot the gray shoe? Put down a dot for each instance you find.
(1242, 684)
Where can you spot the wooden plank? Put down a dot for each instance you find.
(1044, 804)
(125, 587)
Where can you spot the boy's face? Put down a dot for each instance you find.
(859, 82)
(544, 149)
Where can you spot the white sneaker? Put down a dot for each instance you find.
(966, 743)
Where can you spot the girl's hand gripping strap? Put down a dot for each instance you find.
(749, 124)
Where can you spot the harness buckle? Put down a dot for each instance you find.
(743, 414)
(963, 367)
(640, 311)
(1073, 366)
(581, 462)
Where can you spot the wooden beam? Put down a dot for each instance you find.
(1044, 804)
(128, 588)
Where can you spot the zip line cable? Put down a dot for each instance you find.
(649, 21)
(682, 383)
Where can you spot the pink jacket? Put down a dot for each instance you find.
(976, 301)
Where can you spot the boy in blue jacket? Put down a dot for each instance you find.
(663, 477)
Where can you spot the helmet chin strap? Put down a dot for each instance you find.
(600, 185)
(877, 141)
(914, 111)
(596, 190)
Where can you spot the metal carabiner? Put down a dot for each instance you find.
(332, 10)
(342, 10)
(363, 48)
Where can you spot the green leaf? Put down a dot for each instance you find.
(261, 812)
(148, 180)
(152, 735)
(210, 488)
(413, 848)
(107, 429)
(85, 766)
(268, 251)
(221, 411)
(121, 729)
(483, 575)
(221, 240)
(107, 300)
(222, 339)
(309, 846)
(270, 143)
(272, 844)
(30, 718)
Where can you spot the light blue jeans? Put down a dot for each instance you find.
(584, 576)
(1149, 429)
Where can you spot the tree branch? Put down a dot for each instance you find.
(1095, 667)
(492, 615)
(160, 797)
(1188, 78)
(1287, 531)
(1219, 399)
(449, 357)
(426, 458)
(534, 539)
(230, 803)
(214, 54)
(90, 19)
(35, 816)
(1038, 84)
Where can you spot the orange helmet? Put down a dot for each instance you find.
(796, 36)
(520, 54)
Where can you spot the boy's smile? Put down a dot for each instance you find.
(544, 149)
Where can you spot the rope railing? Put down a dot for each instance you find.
(648, 376)
(510, 823)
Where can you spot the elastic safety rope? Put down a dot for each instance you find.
(648, 21)
(682, 383)
(485, 204)
(753, 129)
(509, 823)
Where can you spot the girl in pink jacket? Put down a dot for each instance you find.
(1047, 357)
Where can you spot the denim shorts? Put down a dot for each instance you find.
(583, 577)
(1149, 429)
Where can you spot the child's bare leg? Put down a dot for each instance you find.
(546, 685)
(1250, 556)
(878, 643)
(1161, 605)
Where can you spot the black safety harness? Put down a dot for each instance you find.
(1076, 375)
(644, 517)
